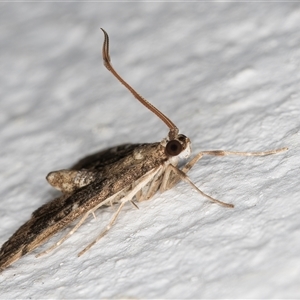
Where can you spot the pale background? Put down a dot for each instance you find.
(227, 74)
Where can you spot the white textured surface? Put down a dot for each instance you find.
(227, 74)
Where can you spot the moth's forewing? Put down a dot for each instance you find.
(118, 168)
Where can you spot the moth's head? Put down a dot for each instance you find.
(179, 146)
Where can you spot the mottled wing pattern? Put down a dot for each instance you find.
(116, 168)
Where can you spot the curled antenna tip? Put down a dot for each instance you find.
(106, 59)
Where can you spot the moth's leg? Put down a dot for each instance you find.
(66, 236)
(191, 163)
(112, 221)
(170, 180)
(237, 153)
(155, 184)
(111, 203)
(150, 189)
(145, 180)
(139, 196)
(140, 193)
(153, 188)
(91, 211)
(184, 177)
(167, 183)
(134, 204)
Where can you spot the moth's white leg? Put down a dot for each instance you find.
(155, 183)
(112, 221)
(261, 153)
(58, 243)
(184, 177)
(166, 182)
(139, 196)
(145, 180)
(91, 211)
(191, 163)
(150, 189)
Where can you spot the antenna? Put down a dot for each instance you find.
(106, 60)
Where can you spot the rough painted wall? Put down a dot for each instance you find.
(227, 74)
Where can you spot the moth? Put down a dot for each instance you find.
(126, 173)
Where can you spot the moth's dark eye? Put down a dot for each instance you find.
(173, 148)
